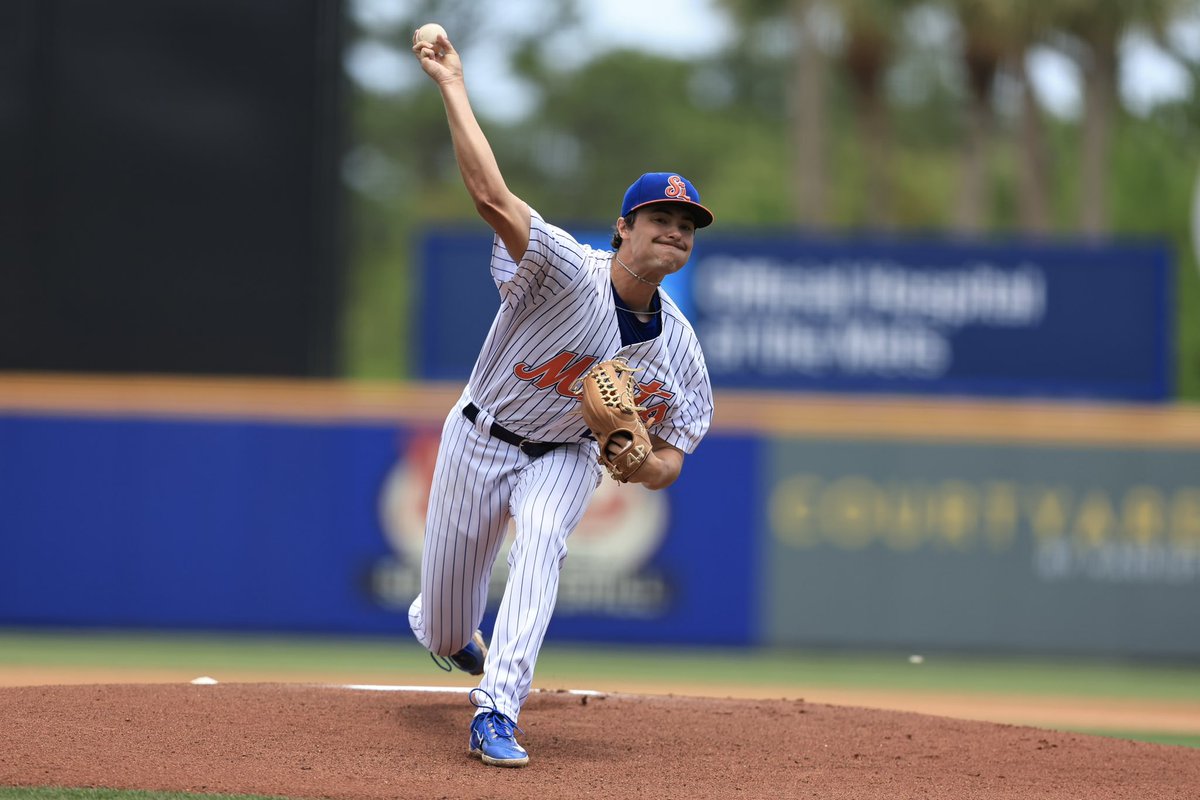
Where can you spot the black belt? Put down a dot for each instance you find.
(528, 447)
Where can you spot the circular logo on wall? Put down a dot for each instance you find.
(605, 571)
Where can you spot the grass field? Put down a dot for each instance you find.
(289, 656)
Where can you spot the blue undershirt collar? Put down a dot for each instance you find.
(634, 330)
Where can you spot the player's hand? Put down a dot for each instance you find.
(616, 444)
(440, 61)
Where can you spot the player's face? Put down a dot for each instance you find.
(661, 238)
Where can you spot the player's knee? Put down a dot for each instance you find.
(448, 645)
(444, 637)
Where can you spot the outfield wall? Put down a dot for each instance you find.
(802, 519)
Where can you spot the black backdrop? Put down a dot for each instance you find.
(169, 192)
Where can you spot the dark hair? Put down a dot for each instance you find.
(629, 218)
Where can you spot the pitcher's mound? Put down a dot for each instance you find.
(326, 742)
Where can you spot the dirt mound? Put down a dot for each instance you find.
(324, 742)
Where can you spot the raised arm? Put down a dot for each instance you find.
(507, 214)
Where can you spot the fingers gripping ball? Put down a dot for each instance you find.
(429, 33)
(606, 396)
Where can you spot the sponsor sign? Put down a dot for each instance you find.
(608, 572)
(1088, 549)
(252, 525)
(642, 565)
(935, 317)
(854, 315)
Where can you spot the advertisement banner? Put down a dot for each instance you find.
(1049, 540)
(253, 525)
(1007, 547)
(945, 318)
(641, 564)
(1060, 321)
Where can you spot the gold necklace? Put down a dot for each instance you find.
(634, 274)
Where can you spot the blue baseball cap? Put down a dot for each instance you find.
(665, 187)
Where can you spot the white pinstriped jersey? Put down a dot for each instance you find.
(557, 318)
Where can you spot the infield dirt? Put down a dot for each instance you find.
(324, 742)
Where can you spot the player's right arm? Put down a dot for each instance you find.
(661, 467)
(507, 214)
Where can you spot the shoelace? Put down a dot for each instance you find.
(443, 662)
(501, 725)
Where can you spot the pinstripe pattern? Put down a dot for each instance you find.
(556, 318)
(548, 501)
(464, 528)
(483, 484)
(558, 299)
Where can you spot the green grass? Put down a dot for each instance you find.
(281, 654)
(580, 664)
(1087, 678)
(1154, 737)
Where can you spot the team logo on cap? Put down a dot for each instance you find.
(676, 188)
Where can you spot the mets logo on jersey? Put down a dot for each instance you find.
(564, 370)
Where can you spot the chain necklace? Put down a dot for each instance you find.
(650, 312)
(634, 274)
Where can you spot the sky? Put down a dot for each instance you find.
(1149, 74)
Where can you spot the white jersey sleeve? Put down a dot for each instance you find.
(551, 264)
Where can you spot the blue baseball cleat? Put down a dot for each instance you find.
(493, 736)
(470, 659)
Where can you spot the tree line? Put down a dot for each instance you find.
(831, 116)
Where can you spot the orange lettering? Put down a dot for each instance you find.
(656, 413)
(652, 389)
(558, 372)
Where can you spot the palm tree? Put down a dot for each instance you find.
(807, 106)
(867, 52)
(806, 100)
(997, 36)
(1093, 39)
(1096, 38)
(985, 45)
(1029, 23)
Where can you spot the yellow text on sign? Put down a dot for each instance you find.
(854, 511)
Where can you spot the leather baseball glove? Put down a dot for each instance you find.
(606, 395)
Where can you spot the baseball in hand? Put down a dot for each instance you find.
(429, 32)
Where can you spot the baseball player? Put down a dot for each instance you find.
(516, 445)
